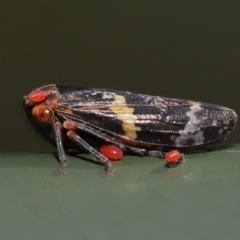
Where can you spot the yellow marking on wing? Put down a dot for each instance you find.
(125, 114)
(67, 110)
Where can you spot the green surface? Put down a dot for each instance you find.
(144, 200)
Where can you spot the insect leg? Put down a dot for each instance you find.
(103, 136)
(161, 154)
(155, 153)
(80, 142)
(57, 126)
(172, 158)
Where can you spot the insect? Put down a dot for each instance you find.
(87, 119)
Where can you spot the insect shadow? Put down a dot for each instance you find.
(202, 149)
(186, 151)
(77, 154)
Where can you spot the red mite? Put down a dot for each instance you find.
(112, 152)
(173, 156)
(38, 96)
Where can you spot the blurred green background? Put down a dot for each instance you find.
(180, 49)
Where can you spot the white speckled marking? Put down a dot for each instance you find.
(193, 121)
(191, 129)
(214, 123)
(184, 138)
(220, 131)
(95, 93)
(107, 95)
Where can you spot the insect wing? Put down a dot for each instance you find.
(144, 119)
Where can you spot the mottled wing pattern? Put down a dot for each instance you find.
(148, 119)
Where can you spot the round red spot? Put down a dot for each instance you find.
(112, 152)
(173, 156)
(38, 96)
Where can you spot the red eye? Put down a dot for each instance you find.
(38, 96)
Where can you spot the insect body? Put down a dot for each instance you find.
(71, 117)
